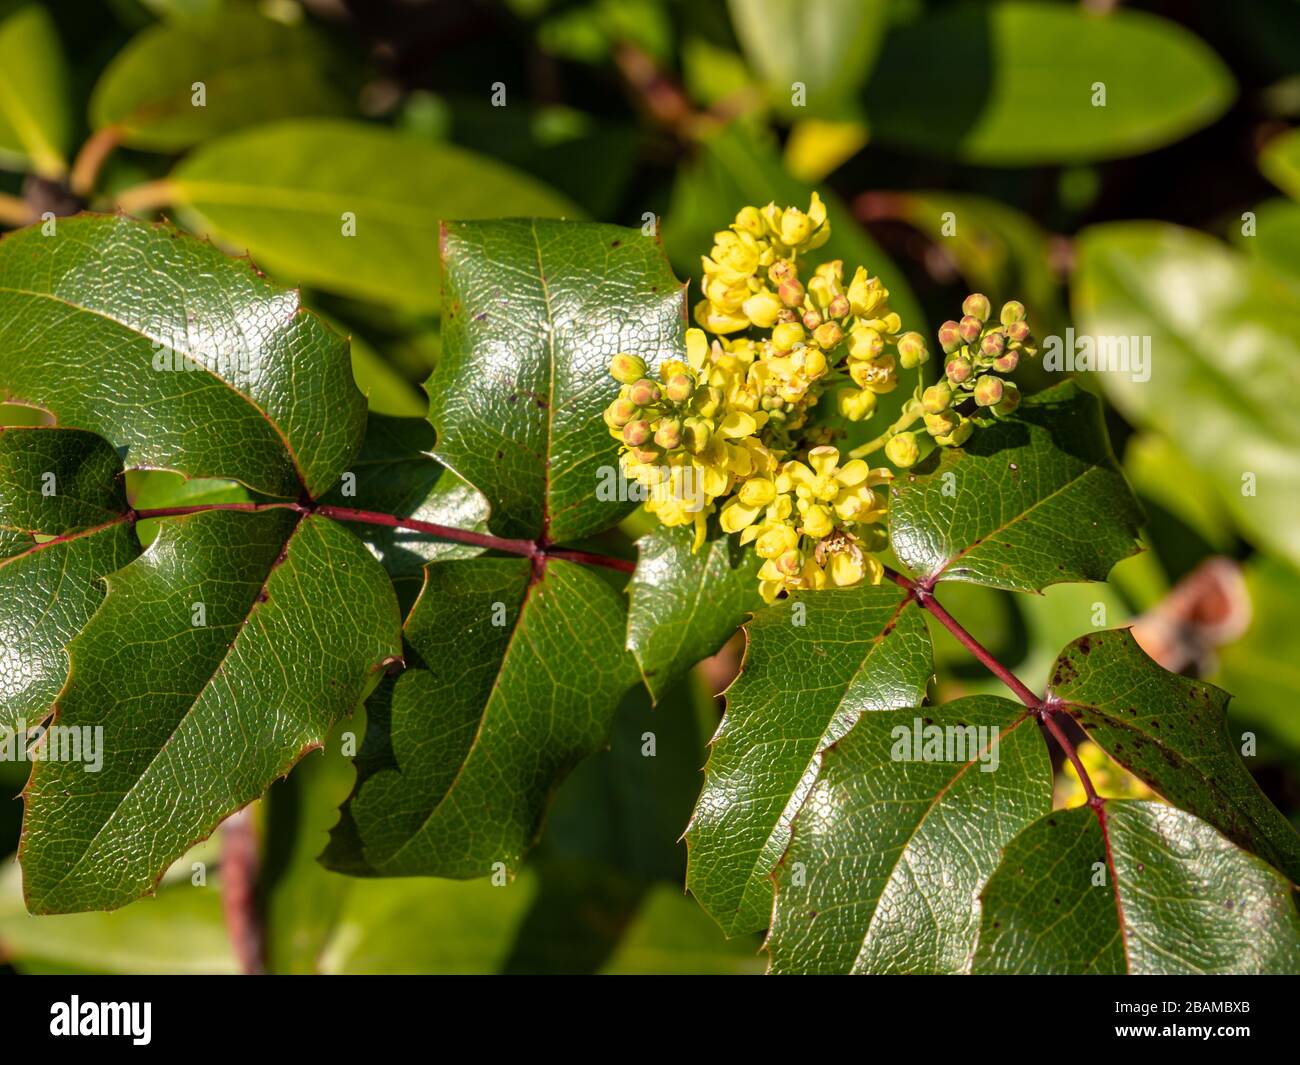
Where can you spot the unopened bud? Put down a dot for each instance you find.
(959, 435)
(669, 434)
(625, 369)
(1007, 361)
(1010, 400)
(902, 450)
(988, 390)
(679, 388)
(749, 220)
(970, 328)
(780, 271)
(977, 305)
(941, 423)
(1012, 311)
(838, 307)
(791, 292)
(812, 318)
(936, 398)
(992, 344)
(645, 393)
(620, 412)
(1019, 332)
(958, 370)
(949, 337)
(911, 350)
(646, 455)
(828, 334)
(762, 308)
(636, 433)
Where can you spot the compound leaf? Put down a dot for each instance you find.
(815, 663)
(217, 659)
(896, 838)
(518, 674)
(1170, 732)
(1155, 891)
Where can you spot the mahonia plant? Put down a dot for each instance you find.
(214, 628)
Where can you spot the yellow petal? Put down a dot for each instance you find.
(823, 459)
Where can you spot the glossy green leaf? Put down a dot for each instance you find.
(1225, 344)
(900, 831)
(98, 327)
(1021, 86)
(35, 120)
(251, 69)
(827, 47)
(517, 676)
(814, 664)
(395, 473)
(686, 604)
(350, 207)
(1157, 891)
(1028, 502)
(1170, 732)
(535, 311)
(63, 526)
(217, 659)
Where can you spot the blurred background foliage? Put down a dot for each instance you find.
(960, 146)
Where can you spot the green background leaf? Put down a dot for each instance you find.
(282, 190)
(1012, 83)
(35, 119)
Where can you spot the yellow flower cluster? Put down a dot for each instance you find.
(718, 432)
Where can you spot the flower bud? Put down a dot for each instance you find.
(645, 393)
(959, 435)
(1019, 332)
(970, 328)
(949, 337)
(669, 434)
(645, 455)
(988, 390)
(636, 433)
(679, 388)
(937, 398)
(1012, 311)
(791, 292)
(1010, 400)
(786, 335)
(1007, 361)
(865, 342)
(838, 307)
(795, 227)
(911, 350)
(992, 344)
(780, 271)
(856, 405)
(812, 318)
(620, 412)
(902, 450)
(958, 369)
(828, 334)
(625, 369)
(941, 423)
(977, 305)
